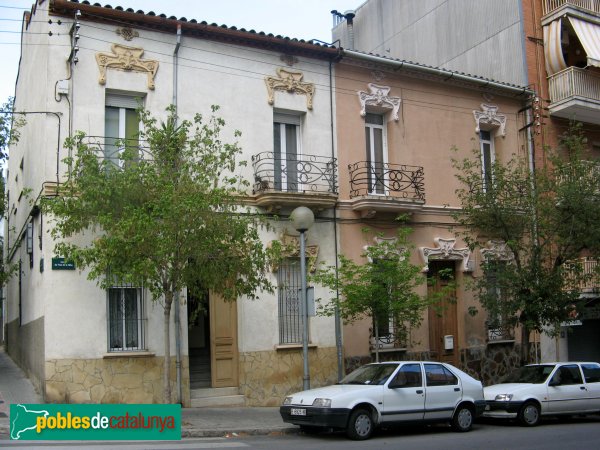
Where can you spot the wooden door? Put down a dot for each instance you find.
(442, 316)
(223, 342)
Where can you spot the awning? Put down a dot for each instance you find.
(589, 36)
(555, 62)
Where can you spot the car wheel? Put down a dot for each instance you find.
(529, 415)
(360, 425)
(462, 419)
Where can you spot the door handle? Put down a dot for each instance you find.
(456, 389)
(582, 388)
(419, 391)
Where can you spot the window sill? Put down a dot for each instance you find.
(129, 354)
(501, 341)
(390, 349)
(293, 346)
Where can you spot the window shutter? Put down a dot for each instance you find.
(292, 119)
(123, 101)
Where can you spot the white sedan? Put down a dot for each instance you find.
(389, 393)
(545, 389)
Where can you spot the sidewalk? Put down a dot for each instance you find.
(195, 422)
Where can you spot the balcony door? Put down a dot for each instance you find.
(376, 147)
(286, 152)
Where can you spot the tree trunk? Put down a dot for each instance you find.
(167, 341)
(376, 326)
(524, 345)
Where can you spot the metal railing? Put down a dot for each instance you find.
(305, 173)
(586, 277)
(396, 336)
(500, 332)
(574, 82)
(589, 5)
(392, 180)
(111, 149)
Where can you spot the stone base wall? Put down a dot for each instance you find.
(491, 363)
(25, 345)
(112, 380)
(267, 377)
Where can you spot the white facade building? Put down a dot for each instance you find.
(84, 68)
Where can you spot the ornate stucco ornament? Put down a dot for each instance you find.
(127, 33)
(395, 252)
(497, 251)
(128, 59)
(291, 247)
(378, 97)
(489, 115)
(289, 81)
(445, 251)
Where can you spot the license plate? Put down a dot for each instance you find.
(298, 412)
(487, 407)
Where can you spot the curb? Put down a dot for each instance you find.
(196, 433)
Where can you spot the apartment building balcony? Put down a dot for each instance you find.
(584, 9)
(500, 333)
(303, 180)
(383, 187)
(587, 283)
(575, 94)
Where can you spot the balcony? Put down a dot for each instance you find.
(500, 333)
(575, 94)
(560, 7)
(307, 180)
(391, 188)
(586, 279)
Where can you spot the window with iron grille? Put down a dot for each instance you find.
(125, 319)
(289, 285)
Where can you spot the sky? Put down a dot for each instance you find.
(302, 19)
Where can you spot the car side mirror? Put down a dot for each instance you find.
(395, 385)
(554, 382)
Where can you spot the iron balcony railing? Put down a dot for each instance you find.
(500, 332)
(393, 180)
(585, 275)
(305, 173)
(394, 337)
(589, 5)
(574, 82)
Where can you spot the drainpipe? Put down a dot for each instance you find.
(338, 324)
(177, 313)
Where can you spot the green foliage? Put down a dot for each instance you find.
(547, 220)
(165, 216)
(381, 286)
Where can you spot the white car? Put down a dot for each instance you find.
(545, 389)
(389, 393)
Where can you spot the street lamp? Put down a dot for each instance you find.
(303, 218)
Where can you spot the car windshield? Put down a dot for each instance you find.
(370, 374)
(531, 374)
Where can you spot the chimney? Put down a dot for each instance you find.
(349, 16)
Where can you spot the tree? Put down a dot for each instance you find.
(165, 215)
(544, 221)
(380, 287)
(10, 125)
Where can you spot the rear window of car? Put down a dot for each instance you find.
(591, 372)
(438, 375)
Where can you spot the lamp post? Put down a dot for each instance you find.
(303, 218)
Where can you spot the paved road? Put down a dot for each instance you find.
(582, 433)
